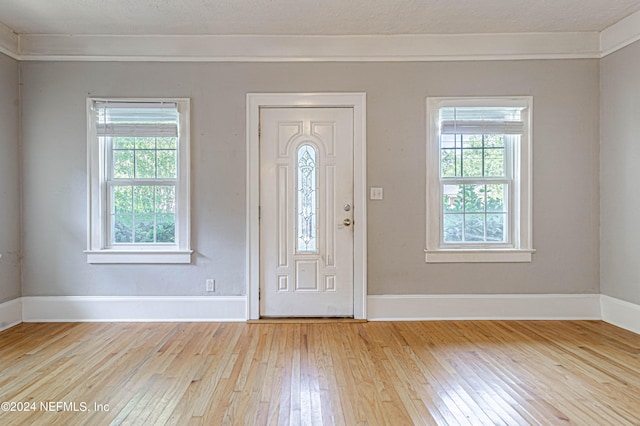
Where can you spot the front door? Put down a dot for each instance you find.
(306, 212)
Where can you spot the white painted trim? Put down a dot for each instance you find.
(620, 313)
(519, 161)
(478, 256)
(131, 256)
(133, 309)
(416, 307)
(294, 48)
(98, 244)
(9, 42)
(620, 34)
(380, 308)
(10, 313)
(357, 101)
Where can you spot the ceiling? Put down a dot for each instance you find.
(310, 17)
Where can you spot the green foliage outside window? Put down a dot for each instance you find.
(144, 213)
(474, 212)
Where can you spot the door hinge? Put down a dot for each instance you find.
(259, 294)
(259, 212)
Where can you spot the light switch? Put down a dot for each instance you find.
(376, 193)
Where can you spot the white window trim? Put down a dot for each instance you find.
(98, 249)
(521, 246)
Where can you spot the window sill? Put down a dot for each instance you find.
(138, 256)
(478, 256)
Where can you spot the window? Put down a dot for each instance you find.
(139, 181)
(479, 179)
(307, 204)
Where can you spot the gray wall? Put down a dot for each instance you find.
(9, 181)
(566, 216)
(620, 172)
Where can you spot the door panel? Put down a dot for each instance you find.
(306, 194)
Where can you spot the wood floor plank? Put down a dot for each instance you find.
(321, 373)
(521, 375)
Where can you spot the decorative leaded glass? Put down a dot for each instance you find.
(307, 202)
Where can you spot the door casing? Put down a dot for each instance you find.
(357, 101)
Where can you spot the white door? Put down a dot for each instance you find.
(306, 212)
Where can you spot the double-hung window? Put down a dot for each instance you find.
(479, 179)
(138, 153)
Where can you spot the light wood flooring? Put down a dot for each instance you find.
(376, 373)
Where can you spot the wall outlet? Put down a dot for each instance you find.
(376, 193)
(211, 285)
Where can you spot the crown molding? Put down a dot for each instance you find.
(620, 34)
(9, 42)
(248, 48)
(293, 48)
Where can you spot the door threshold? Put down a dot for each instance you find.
(305, 320)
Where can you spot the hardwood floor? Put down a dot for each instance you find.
(377, 373)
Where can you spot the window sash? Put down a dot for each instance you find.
(507, 180)
(110, 182)
(111, 213)
(110, 166)
(508, 212)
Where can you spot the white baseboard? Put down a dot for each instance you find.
(133, 309)
(620, 313)
(10, 313)
(416, 307)
(380, 308)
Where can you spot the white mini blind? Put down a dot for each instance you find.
(481, 121)
(144, 119)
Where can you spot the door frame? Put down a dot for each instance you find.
(356, 101)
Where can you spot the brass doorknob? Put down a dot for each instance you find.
(346, 222)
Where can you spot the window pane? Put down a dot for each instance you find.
(494, 162)
(472, 162)
(122, 199)
(496, 228)
(144, 214)
(474, 198)
(145, 143)
(121, 142)
(453, 228)
(450, 162)
(123, 164)
(471, 141)
(307, 199)
(165, 199)
(496, 198)
(167, 143)
(122, 228)
(144, 228)
(145, 164)
(143, 200)
(474, 227)
(167, 164)
(452, 198)
(449, 141)
(165, 228)
(494, 141)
